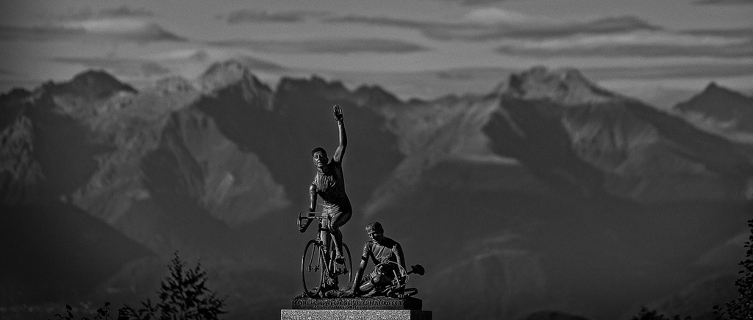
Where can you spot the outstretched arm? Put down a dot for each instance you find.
(400, 256)
(340, 152)
(312, 197)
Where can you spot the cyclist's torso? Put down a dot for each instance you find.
(381, 253)
(330, 186)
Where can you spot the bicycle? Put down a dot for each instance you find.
(399, 279)
(318, 267)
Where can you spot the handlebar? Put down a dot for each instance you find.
(307, 215)
(312, 215)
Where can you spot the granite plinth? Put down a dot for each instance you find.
(360, 303)
(308, 314)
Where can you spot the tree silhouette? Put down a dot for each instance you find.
(646, 314)
(183, 295)
(742, 307)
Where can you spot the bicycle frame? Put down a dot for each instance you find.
(321, 258)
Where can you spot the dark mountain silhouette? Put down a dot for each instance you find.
(546, 194)
(721, 111)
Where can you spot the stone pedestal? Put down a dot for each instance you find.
(377, 308)
(343, 314)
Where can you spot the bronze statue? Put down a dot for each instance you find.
(319, 269)
(389, 275)
(329, 184)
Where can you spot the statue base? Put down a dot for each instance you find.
(360, 308)
(342, 314)
(358, 303)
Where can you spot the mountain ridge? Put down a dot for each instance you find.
(219, 165)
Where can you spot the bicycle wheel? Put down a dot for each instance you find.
(312, 269)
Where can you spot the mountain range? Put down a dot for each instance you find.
(548, 193)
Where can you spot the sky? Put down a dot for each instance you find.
(414, 48)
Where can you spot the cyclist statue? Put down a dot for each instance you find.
(381, 251)
(329, 184)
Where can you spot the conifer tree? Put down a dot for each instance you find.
(742, 307)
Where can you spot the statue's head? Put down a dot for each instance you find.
(375, 230)
(319, 156)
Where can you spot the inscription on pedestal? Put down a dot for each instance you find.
(374, 303)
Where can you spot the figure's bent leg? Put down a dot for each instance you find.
(324, 236)
(338, 220)
(338, 235)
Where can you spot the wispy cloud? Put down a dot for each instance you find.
(125, 12)
(122, 67)
(87, 13)
(738, 32)
(478, 2)
(664, 71)
(499, 25)
(671, 71)
(499, 16)
(264, 16)
(122, 23)
(317, 46)
(208, 56)
(724, 2)
(102, 29)
(635, 44)
(387, 22)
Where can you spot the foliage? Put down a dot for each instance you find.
(183, 295)
(646, 314)
(742, 307)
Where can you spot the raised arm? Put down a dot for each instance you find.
(340, 152)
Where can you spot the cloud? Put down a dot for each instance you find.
(498, 16)
(498, 25)
(333, 46)
(125, 12)
(386, 22)
(86, 13)
(480, 2)
(103, 29)
(208, 56)
(650, 72)
(674, 71)
(740, 32)
(126, 29)
(477, 2)
(633, 44)
(123, 67)
(263, 16)
(724, 2)
(604, 26)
